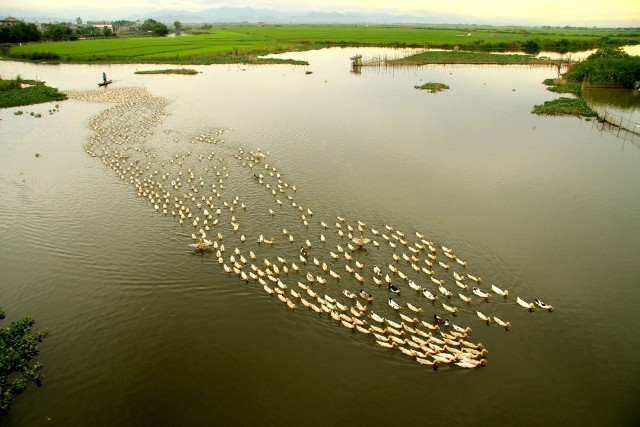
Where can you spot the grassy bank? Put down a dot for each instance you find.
(17, 92)
(245, 44)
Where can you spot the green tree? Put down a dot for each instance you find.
(531, 46)
(58, 32)
(607, 65)
(177, 25)
(155, 27)
(20, 33)
(18, 346)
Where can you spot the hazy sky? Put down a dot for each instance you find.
(552, 12)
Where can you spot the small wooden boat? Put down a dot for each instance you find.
(105, 83)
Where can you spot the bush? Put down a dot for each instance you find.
(18, 346)
(609, 65)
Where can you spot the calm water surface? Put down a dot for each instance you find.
(144, 332)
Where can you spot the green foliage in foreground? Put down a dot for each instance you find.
(457, 57)
(186, 71)
(18, 346)
(607, 66)
(12, 94)
(433, 87)
(565, 107)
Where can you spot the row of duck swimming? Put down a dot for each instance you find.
(191, 188)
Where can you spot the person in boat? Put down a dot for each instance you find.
(104, 78)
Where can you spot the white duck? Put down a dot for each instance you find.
(497, 290)
(524, 304)
(505, 325)
(394, 304)
(543, 305)
(483, 317)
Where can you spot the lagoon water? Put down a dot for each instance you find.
(145, 332)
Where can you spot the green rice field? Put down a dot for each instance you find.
(229, 44)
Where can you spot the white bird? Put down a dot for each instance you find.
(483, 317)
(505, 325)
(465, 298)
(497, 290)
(428, 295)
(480, 293)
(452, 310)
(394, 304)
(543, 305)
(414, 308)
(444, 291)
(527, 305)
(414, 286)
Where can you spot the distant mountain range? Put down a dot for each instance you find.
(255, 15)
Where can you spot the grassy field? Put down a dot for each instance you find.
(232, 44)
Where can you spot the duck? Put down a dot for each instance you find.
(414, 286)
(444, 291)
(527, 305)
(377, 317)
(452, 310)
(462, 285)
(408, 319)
(470, 364)
(483, 317)
(497, 290)
(348, 294)
(427, 362)
(385, 344)
(414, 308)
(365, 295)
(460, 329)
(480, 293)
(428, 295)
(394, 304)
(505, 325)
(474, 278)
(393, 288)
(543, 305)
(465, 298)
(393, 324)
(377, 271)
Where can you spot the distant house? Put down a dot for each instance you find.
(9, 22)
(100, 25)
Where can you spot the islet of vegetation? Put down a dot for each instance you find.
(17, 92)
(564, 106)
(184, 71)
(433, 87)
(18, 348)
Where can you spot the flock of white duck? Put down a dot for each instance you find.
(399, 288)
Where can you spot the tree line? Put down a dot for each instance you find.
(22, 32)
